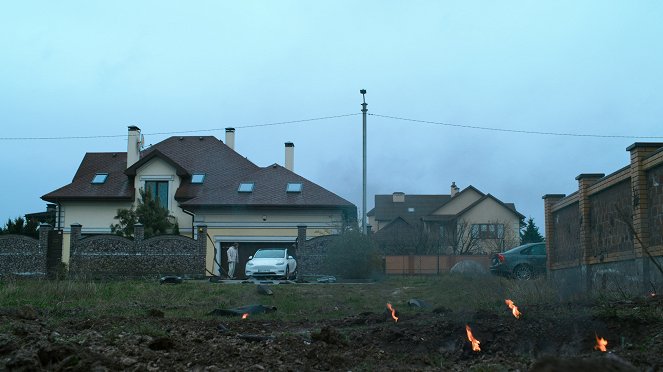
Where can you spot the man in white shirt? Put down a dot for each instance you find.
(233, 258)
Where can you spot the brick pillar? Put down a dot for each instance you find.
(640, 196)
(301, 238)
(44, 229)
(585, 180)
(202, 239)
(549, 201)
(74, 237)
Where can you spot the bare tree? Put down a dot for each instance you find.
(627, 219)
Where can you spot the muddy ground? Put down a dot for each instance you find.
(422, 339)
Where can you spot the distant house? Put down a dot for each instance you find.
(201, 181)
(462, 222)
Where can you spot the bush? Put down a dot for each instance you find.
(353, 255)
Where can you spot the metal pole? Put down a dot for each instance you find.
(364, 110)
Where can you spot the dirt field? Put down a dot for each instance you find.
(429, 338)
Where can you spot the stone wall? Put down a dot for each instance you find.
(110, 256)
(610, 213)
(311, 255)
(22, 255)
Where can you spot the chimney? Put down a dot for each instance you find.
(454, 189)
(290, 156)
(133, 145)
(230, 137)
(398, 197)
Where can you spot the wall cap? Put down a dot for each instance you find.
(644, 145)
(590, 175)
(553, 196)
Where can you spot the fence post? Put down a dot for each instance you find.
(584, 181)
(640, 195)
(549, 201)
(44, 229)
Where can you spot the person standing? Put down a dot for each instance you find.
(233, 258)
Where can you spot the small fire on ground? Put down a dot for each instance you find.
(601, 343)
(474, 341)
(513, 307)
(393, 312)
(245, 315)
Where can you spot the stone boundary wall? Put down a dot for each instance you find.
(605, 240)
(22, 255)
(111, 256)
(311, 255)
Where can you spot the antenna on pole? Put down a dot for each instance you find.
(364, 110)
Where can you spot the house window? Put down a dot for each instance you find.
(245, 187)
(158, 190)
(293, 187)
(487, 231)
(197, 178)
(99, 178)
(410, 209)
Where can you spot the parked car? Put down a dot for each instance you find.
(271, 263)
(523, 262)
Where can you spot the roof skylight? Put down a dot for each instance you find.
(198, 178)
(99, 178)
(245, 187)
(293, 187)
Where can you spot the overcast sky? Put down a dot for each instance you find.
(577, 67)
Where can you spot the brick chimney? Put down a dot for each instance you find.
(133, 145)
(290, 156)
(230, 137)
(454, 189)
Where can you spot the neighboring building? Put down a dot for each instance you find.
(463, 222)
(201, 181)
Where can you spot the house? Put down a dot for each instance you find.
(462, 222)
(201, 181)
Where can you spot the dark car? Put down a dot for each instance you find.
(523, 262)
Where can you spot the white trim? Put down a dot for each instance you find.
(270, 225)
(156, 178)
(248, 239)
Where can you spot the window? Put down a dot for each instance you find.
(487, 231)
(539, 250)
(158, 190)
(99, 178)
(293, 187)
(410, 209)
(197, 178)
(245, 187)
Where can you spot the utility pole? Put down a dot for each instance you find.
(364, 110)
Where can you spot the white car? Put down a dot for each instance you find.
(273, 263)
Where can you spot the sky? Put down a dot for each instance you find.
(591, 69)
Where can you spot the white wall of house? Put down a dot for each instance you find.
(159, 170)
(490, 211)
(459, 202)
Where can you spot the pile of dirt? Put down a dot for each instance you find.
(546, 338)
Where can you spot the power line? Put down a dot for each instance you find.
(181, 131)
(515, 130)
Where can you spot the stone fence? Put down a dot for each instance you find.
(24, 256)
(111, 256)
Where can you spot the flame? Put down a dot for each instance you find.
(393, 312)
(513, 307)
(245, 315)
(474, 341)
(601, 343)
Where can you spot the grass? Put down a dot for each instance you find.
(194, 299)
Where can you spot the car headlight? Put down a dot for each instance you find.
(280, 263)
(249, 263)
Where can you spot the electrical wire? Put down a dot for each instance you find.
(181, 131)
(513, 130)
